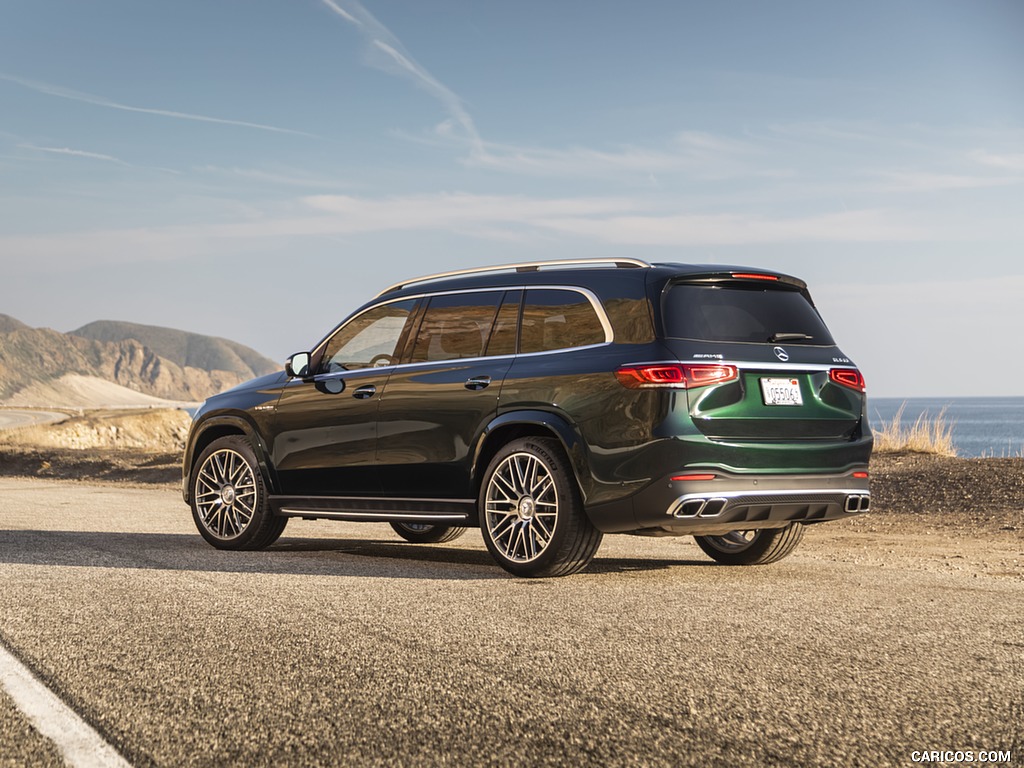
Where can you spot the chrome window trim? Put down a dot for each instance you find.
(466, 360)
(595, 303)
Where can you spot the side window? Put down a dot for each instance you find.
(557, 319)
(369, 340)
(455, 326)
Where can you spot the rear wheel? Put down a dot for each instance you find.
(229, 497)
(531, 513)
(760, 547)
(426, 533)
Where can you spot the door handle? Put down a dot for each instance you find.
(365, 391)
(478, 382)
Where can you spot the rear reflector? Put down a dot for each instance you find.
(848, 377)
(686, 478)
(861, 475)
(679, 376)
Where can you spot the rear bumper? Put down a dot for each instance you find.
(730, 502)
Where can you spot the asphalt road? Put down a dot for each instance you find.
(11, 418)
(343, 646)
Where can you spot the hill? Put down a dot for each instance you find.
(188, 350)
(9, 324)
(35, 364)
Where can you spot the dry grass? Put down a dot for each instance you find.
(927, 434)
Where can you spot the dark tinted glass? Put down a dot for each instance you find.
(554, 319)
(739, 313)
(506, 325)
(455, 326)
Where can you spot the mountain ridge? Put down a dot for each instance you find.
(183, 348)
(40, 357)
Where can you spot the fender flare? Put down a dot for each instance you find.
(225, 423)
(562, 427)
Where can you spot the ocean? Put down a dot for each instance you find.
(981, 426)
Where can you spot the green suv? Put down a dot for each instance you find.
(548, 404)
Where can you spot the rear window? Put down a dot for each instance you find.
(741, 313)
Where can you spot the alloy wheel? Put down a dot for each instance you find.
(226, 495)
(521, 507)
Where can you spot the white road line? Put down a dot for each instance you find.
(79, 744)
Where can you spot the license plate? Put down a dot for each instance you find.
(781, 392)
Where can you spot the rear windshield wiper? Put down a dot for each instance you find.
(775, 338)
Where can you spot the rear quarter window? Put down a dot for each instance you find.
(738, 313)
(558, 319)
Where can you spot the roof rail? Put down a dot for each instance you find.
(529, 266)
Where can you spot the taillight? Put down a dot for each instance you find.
(753, 276)
(848, 377)
(680, 376)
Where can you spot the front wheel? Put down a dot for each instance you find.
(531, 513)
(760, 547)
(426, 533)
(229, 498)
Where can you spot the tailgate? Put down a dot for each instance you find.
(777, 404)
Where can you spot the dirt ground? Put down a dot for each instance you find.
(140, 446)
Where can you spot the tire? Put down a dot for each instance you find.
(229, 497)
(425, 533)
(760, 547)
(531, 513)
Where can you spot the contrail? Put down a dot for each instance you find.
(96, 156)
(397, 60)
(99, 101)
(75, 153)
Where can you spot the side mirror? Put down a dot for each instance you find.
(297, 366)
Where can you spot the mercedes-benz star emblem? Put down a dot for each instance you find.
(782, 354)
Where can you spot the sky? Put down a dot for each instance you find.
(256, 169)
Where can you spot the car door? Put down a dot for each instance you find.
(436, 405)
(326, 433)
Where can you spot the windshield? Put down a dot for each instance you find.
(742, 313)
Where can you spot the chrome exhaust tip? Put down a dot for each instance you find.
(700, 508)
(857, 503)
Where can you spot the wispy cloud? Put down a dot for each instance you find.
(740, 229)
(99, 101)
(386, 52)
(925, 181)
(287, 178)
(1006, 162)
(616, 220)
(442, 211)
(698, 155)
